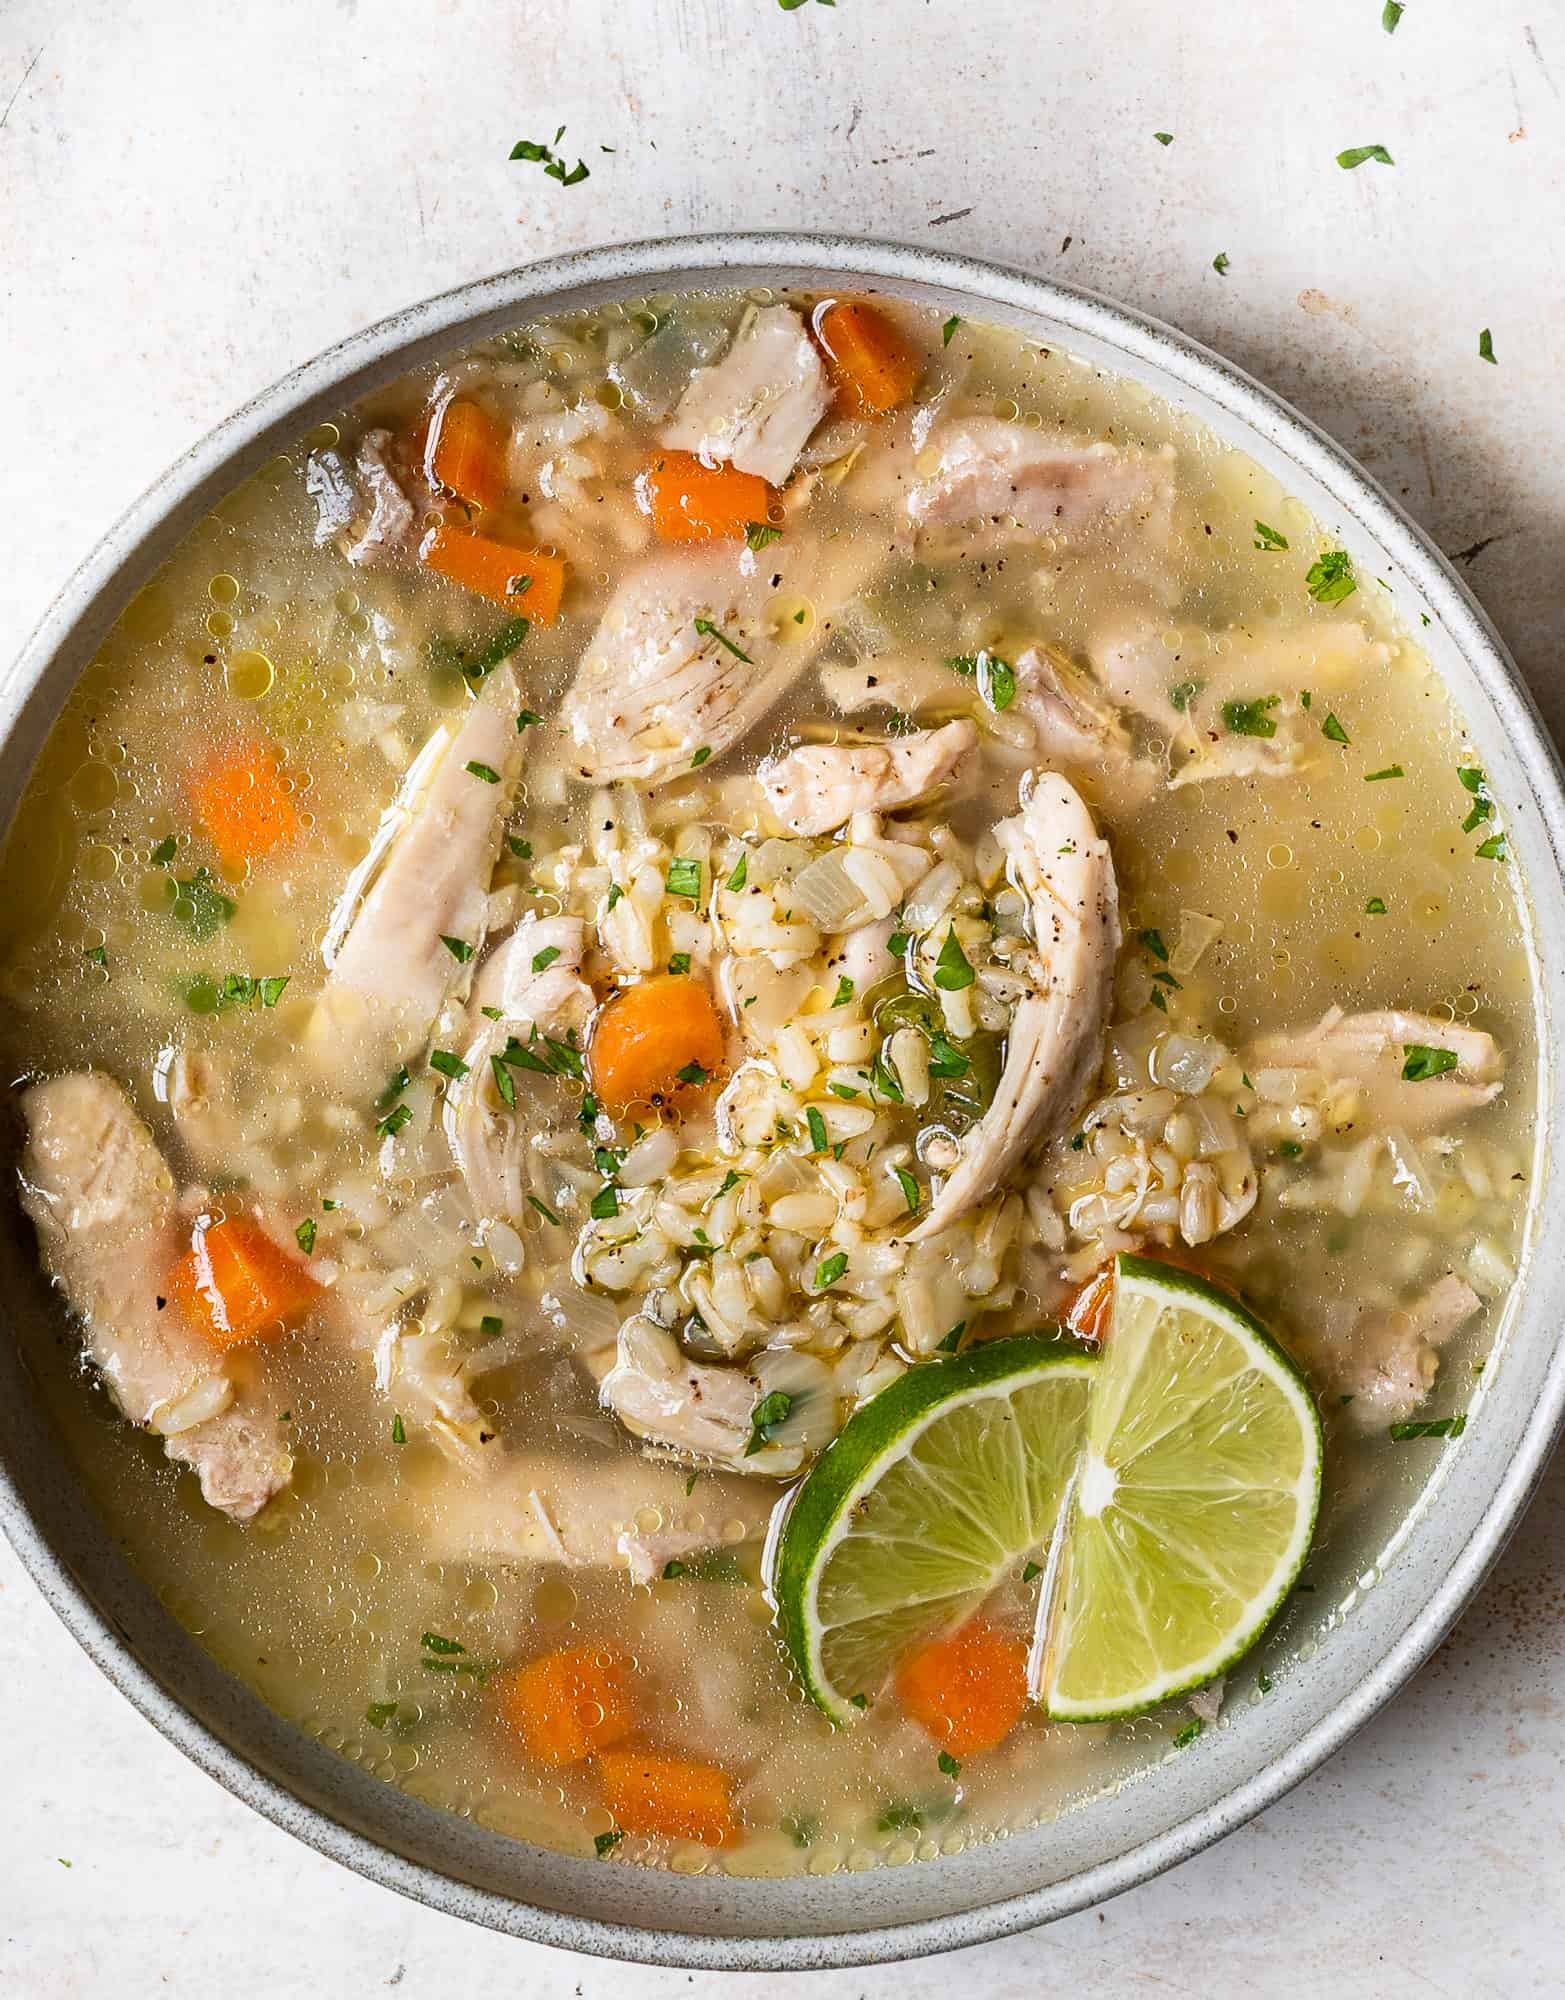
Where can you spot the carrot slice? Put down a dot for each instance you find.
(692, 502)
(872, 365)
(566, 1705)
(523, 580)
(235, 1283)
(651, 1793)
(968, 1689)
(243, 803)
(653, 1040)
(464, 453)
(1091, 1305)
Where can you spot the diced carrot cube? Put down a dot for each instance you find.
(525, 580)
(566, 1705)
(465, 454)
(235, 1283)
(243, 803)
(648, 1792)
(693, 502)
(966, 1690)
(868, 359)
(653, 1040)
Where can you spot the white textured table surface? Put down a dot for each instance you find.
(196, 195)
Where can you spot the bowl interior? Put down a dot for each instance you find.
(1369, 1640)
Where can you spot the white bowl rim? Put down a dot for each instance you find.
(1530, 779)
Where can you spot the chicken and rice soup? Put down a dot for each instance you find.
(745, 903)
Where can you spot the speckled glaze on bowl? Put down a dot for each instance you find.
(1374, 1638)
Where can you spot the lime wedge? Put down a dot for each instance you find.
(942, 1484)
(1194, 1504)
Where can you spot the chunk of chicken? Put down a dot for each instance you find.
(893, 680)
(757, 405)
(820, 786)
(1388, 1363)
(102, 1200)
(424, 881)
(707, 1410)
(992, 471)
(1371, 1050)
(862, 956)
(652, 690)
(606, 1512)
(426, 1380)
(1056, 1041)
(366, 501)
(531, 980)
(1075, 725)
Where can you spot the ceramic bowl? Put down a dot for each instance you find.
(1367, 1641)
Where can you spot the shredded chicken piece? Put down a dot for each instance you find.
(820, 786)
(621, 1510)
(893, 680)
(532, 980)
(1371, 1050)
(1388, 1363)
(998, 472)
(701, 1409)
(102, 1200)
(756, 406)
(425, 880)
(1056, 1039)
(366, 500)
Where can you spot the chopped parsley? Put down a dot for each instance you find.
(1183, 693)
(553, 166)
(996, 678)
(604, 1205)
(684, 877)
(1031, 1571)
(1251, 718)
(693, 1073)
(1390, 15)
(1492, 849)
(897, 943)
(1474, 781)
(1423, 1062)
(1391, 771)
(474, 664)
(459, 948)
(522, 849)
(448, 1064)
(547, 1213)
(1375, 907)
(953, 973)
(736, 881)
(950, 328)
(526, 718)
(1164, 138)
(615, 894)
(844, 991)
(379, 1713)
(164, 852)
(304, 1235)
(710, 631)
(542, 960)
(948, 1764)
(817, 1125)
(1220, 263)
(1333, 730)
(399, 1433)
(830, 1269)
(1153, 940)
(679, 961)
(1330, 577)
(394, 1120)
(504, 1082)
(945, 1058)
(1355, 156)
(97, 954)
(201, 906)
(1486, 347)
(604, 1843)
(761, 534)
(1188, 1734)
(486, 772)
(950, 1342)
(491, 1326)
(1429, 1427)
(910, 1191)
(1268, 538)
(768, 1416)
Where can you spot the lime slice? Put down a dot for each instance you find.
(1195, 1501)
(938, 1487)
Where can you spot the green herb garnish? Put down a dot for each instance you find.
(830, 1269)
(398, 1431)
(910, 1189)
(459, 948)
(1330, 577)
(1355, 156)
(1251, 718)
(1429, 1427)
(736, 881)
(769, 1414)
(710, 631)
(1423, 1062)
(448, 1064)
(684, 877)
(1486, 346)
(1333, 730)
(486, 772)
(604, 1843)
(1391, 771)
(761, 534)
(953, 973)
(1268, 538)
